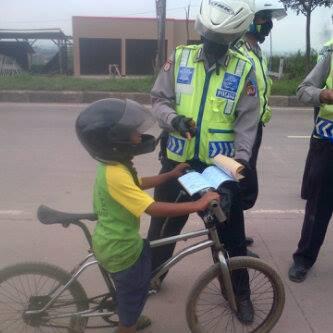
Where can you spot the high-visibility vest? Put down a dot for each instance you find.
(264, 82)
(210, 99)
(324, 121)
(328, 47)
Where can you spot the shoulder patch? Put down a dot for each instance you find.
(167, 65)
(251, 88)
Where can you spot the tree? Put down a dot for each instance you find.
(306, 7)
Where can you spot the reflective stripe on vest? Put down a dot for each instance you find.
(324, 120)
(209, 99)
(264, 82)
(328, 47)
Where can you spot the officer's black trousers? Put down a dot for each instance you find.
(249, 185)
(231, 234)
(318, 190)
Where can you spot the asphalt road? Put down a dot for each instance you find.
(43, 162)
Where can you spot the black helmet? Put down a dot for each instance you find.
(104, 129)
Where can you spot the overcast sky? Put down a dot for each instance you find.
(288, 34)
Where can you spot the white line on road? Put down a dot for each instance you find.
(276, 211)
(257, 211)
(11, 212)
(298, 136)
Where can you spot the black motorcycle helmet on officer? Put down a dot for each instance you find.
(106, 127)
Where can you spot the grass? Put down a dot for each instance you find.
(59, 82)
(286, 87)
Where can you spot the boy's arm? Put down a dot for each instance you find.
(166, 209)
(149, 182)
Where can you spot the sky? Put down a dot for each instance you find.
(288, 35)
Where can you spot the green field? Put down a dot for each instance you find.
(58, 82)
(141, 84)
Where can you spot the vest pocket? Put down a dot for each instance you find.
(177, 147)
(220, 141)
(222, 110)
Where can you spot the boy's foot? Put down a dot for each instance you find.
(154, 287)
(143, 322)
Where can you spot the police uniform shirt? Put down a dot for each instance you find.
(246, 123)
(309, 90)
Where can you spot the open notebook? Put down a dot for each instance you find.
(224, 169)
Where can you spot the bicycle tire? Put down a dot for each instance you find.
(25, 286)
(236, 263)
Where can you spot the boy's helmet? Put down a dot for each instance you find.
(224, 21)
(104, 129)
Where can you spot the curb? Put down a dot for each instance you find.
(84, 97)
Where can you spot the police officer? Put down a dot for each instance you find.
(260, 28)
(316, 90)
(327, 48)
(205, 98)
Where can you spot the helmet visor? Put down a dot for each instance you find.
(136, 117)
(277, 14)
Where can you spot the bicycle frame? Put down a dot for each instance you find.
(212, 242)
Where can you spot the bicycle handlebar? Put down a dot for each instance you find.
(216, 209)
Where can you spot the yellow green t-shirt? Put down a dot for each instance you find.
(118, 203)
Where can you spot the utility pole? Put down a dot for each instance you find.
(161, 18)
(187, 13)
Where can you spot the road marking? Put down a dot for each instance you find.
(11, 212)
(276, 211)
(298, 136)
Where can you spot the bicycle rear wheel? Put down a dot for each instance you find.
(30, 286)
(208, 311)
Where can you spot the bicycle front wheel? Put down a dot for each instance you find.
(207, 309)
(30, 286)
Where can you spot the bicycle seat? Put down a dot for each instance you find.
(47, 215)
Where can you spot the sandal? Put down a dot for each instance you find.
(143, 322)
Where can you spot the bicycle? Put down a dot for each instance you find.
(40, 297)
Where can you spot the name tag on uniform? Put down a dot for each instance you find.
(230, 86)
(185, 75)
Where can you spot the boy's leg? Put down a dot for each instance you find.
(132, 285)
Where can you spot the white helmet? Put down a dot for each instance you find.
(274, 8)
(224, 21)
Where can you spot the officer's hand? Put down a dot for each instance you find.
(179, 170)
(185, 126)
(326, 96)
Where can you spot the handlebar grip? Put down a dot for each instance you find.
(217, 211)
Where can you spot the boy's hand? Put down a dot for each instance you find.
(179, 170)
(207, 198)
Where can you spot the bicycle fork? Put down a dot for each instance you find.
(226, 283)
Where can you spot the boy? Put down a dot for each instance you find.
(111, 131)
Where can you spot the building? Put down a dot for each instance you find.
(128, 43)
(17, 44)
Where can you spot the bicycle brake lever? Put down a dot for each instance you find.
(217, 211)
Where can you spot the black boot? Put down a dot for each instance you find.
(297, 272)
(245, 312)
(249, 241)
